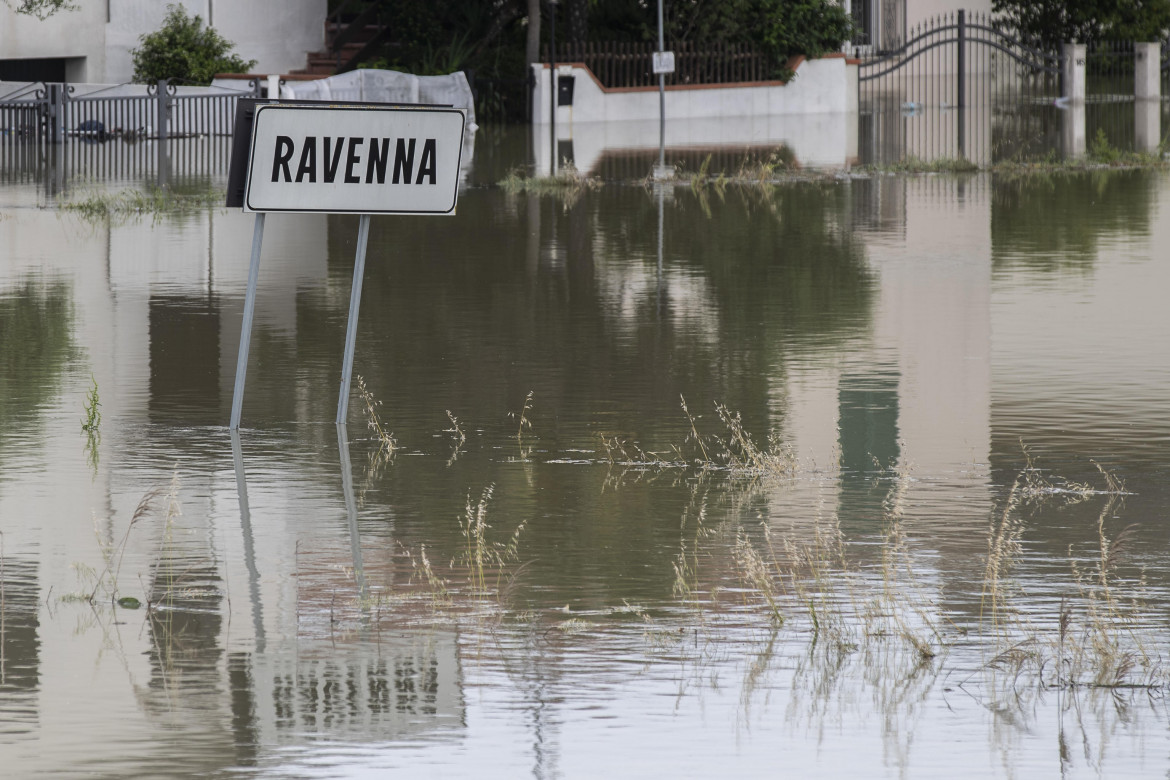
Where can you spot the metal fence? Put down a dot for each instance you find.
(162, 132)
(960, 87)
(56, 113)
(630, 64)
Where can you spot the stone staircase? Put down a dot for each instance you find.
(349, 41)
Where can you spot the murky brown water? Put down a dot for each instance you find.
(901, 335)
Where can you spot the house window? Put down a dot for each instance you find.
(878, 23)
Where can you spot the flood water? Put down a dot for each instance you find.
(307, 607)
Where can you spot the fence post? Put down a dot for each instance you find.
(163, 113)
(55, 112)
(961, 64)
(1072, 68)
(161, 110)
(1147, 93)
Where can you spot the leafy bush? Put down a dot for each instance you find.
(811, 27)
(185, 51)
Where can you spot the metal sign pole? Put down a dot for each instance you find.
(355, 299)
(246, 325)
(661, 96)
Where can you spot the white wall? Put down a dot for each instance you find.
(66, 34)
(821, 86)
(918, 11)
(277, 33)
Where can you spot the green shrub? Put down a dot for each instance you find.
(810, 27)
(185, 51)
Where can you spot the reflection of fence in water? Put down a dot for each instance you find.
(410, 687)
(116, 159)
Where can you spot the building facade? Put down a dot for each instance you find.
(92, 43)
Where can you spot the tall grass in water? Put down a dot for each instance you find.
(568, 184)
(482, 556)
(155, 202)
(837, 601)
(387, 444)
(1099, 637)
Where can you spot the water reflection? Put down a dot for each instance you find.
(37, 325)
(20, 648)
(900, 334)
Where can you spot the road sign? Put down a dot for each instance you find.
(339, 159)
(354, 159)
(664, 62)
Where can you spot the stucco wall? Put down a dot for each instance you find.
(823, 86)
(918, 11)
(73, 34)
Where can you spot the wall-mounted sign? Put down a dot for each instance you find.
(354, 159)
(664, 62)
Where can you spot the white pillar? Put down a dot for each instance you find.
(1147, 71)
(1073, 119)
(1147, 93)
(1073, 68)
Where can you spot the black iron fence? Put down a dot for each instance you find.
(630, 64)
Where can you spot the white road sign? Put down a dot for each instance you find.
(663, 62)
(355, 160)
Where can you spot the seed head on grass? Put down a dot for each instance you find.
(387, 444)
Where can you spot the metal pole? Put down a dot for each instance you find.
(355, 300)
(961, 64)
(661, 96)
(552, 80)
(961, 76)
(249, 544)
(355, 538)
(661, 214)
(246, 325)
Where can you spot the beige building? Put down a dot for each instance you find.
(92, 42)
(884, 25)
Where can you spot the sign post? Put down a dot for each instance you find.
(663, 63)
(308, 157)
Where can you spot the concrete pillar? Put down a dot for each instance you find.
(1147, 115)
(1073, 100)
(1147, 71)
(1072, 120)
(1147, 92)
(1073, 67)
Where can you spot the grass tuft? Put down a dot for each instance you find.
(155, 202)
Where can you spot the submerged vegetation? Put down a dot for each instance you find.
(153, 201)
(568, 184)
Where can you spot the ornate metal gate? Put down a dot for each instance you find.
(959, 87)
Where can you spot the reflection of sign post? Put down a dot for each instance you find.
(663, 62)
(343, 159)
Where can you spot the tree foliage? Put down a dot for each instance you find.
(489, 40)
(1049, 23)
(185, 51)
(41, 9)
(780, 28)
